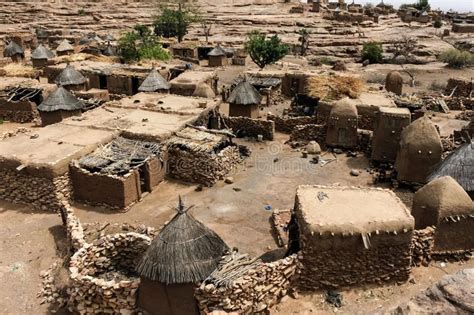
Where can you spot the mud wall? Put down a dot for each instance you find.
(20, 112)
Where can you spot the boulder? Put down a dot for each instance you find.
(394, 82)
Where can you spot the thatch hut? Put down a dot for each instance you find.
(59, 105)
(244, 100)
(419, 151)
(342, 125)
(40, 56)
(14, 51)
(218, 57)
(71, 79)
(183, 254)
(154, 82)
(460, 166)
(204, 90)
(443, 203)
(64, 48)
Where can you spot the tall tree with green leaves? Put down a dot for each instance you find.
(140, 43)
(174, 22)
(263, 50)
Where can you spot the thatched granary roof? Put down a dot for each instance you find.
(64, 46)
(42, 52)
(204, 90)
(13, 49)
(185, 251)
(60, 99)
(421, 135)
(109, 51)
(218, 51)
(244, 94)
(154, 82)
(459, 165)
(344, 108)
(70, 76)
(441, 198)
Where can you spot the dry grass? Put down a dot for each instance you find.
(20, 70)
(334, 87)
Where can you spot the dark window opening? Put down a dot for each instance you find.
(102, 82)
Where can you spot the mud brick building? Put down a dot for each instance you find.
(342, 125)
(351, 235)
(186, 83)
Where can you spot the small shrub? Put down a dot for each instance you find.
(372, 51)
(457, 59)
(81, 12)
(263, 50)
(437, 24)
(437, 86)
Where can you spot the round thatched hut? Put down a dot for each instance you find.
(40, 56)
(60, 104)
(342, 125)
(443, 203)
(64, 48)
(218, 57)
(183, 254)
(71, 79)
(14, 51)
(244, 100)
(154, 82)
(204, 90)
(460, 166)
(419, 151)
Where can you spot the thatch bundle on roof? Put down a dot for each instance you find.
(60, 99)
(70, 76)
(64, 46)
(459, 165)
(244, 94)
(204, 90)
(154, 82)
(334, 87)
(20, 70)
(42, 52)
(185, 251)
(13, 49)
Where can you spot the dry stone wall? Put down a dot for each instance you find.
(252, 127)
(306, 133)
(422, 246)
(256, 291)
(288, 124)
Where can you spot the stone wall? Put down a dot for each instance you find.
(20, 112)
(287, 124)
(310, 132)
(422, 246)
(252, 127)
(461, 88)
(38, 192)
(365, 140)
(103, 280)
(200, 166)
(255, 291)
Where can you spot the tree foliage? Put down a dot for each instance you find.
(263, 50)
(372, 51)
(139, 44)
(304, 41)
(174, 22)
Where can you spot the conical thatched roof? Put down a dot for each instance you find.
(154, 82)
(13, 49)
(459, 165)
(60, 99)
(218, 51)
(204, 90)
(109, 51)
(70, 76)
(42, 52)
(420, 135)
(65, 46)
(244, 94)
(441, 198)
(185, 251)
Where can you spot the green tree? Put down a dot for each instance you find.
(372, 51)
(174, 22)
(422, 5)
(265, 51)
(140, 43)
(304, 41)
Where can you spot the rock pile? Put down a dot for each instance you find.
(256, 291)
(102, 274)
(13, 133)
(422, 243)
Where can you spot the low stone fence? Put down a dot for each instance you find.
(38, 192)
(255, 291)
(422, 243)
(365, 140)
(103, 280)
(288, 124)
(252, 127)
(74, 228)
(310, 132)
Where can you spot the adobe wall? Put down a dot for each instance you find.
(116, 192)
(366, 114)
(255, 291)
(463, 28)
(119, 84)
(252, 127)
(49, 118)
(38, 192)
(250, 111)
(454, 234)
(287, 124)
(94, 289)
(20, 112)
(202, 167)
(341, 260)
